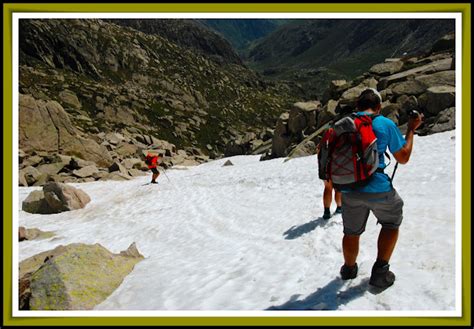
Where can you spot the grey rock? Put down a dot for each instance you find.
(31, 175)
(304, 149)
(441, 65)
(61, 197)
(35, 203)
(409, 87)
(22, 179)
(45, 126)
(132, 163)
(32, 161)
(391, 111)
(51, 168)
(69, 98)
(438, 78)
(280, 144)
(387, 68)
(87, 171)
(116, 166)
(437, 99)
(73, 277)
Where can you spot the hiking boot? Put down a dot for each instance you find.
(381, 276)
(339, 210)
(153, 182)
(348, 272)
(327, 213)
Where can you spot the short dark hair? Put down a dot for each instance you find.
(368, 99)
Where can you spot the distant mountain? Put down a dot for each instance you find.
(242, 32)
(188, 33)
(313, 52)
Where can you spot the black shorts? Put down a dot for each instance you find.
(155, 170)
(387, 208)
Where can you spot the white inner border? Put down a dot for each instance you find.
(216, 313)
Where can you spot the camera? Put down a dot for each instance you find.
(413, 113)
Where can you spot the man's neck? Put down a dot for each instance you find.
(369, 111)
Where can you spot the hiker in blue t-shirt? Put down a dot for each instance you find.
(377, 196)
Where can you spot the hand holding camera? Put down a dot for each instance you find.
(415, 119)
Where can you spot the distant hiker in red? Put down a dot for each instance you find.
(152, 160)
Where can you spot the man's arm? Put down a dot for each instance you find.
(403, 155)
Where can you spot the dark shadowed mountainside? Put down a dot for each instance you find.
(313, 52)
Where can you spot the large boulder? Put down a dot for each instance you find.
(297, 120)
(407, 104)
(387, 68)
(436, 66)
(445, 120)
(55, 198)
(336, 87)
(280, 144)
(31, 175)
(73, 277)
(87, 171)
(351, 94)
(35, 203)
(409, 87)
(51, 168)
(304, 149)
(437, 99)
(45, 126)
(62, 197)
(22, 179)
(391, 111)
(117, 166)
(438, 78)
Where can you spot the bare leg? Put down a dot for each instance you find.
(327, 195)
(350, 248)
(386, 243)
(338, 198)
(154, 177)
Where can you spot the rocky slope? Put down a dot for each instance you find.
(188, 33)
(314, 52)
(97, 93)
(425, 83)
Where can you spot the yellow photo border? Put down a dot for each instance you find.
(10, 8)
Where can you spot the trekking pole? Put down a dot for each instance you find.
(394, 170)
(164, 172)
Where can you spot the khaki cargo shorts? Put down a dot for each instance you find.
(386, 206)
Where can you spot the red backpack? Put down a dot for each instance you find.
(150, 159)
(348, 153)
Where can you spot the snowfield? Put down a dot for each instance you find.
(251, 237)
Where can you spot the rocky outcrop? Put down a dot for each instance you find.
(55, 198)
(424, 83)
(73, 277)
(187, 33)
(45, 126)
